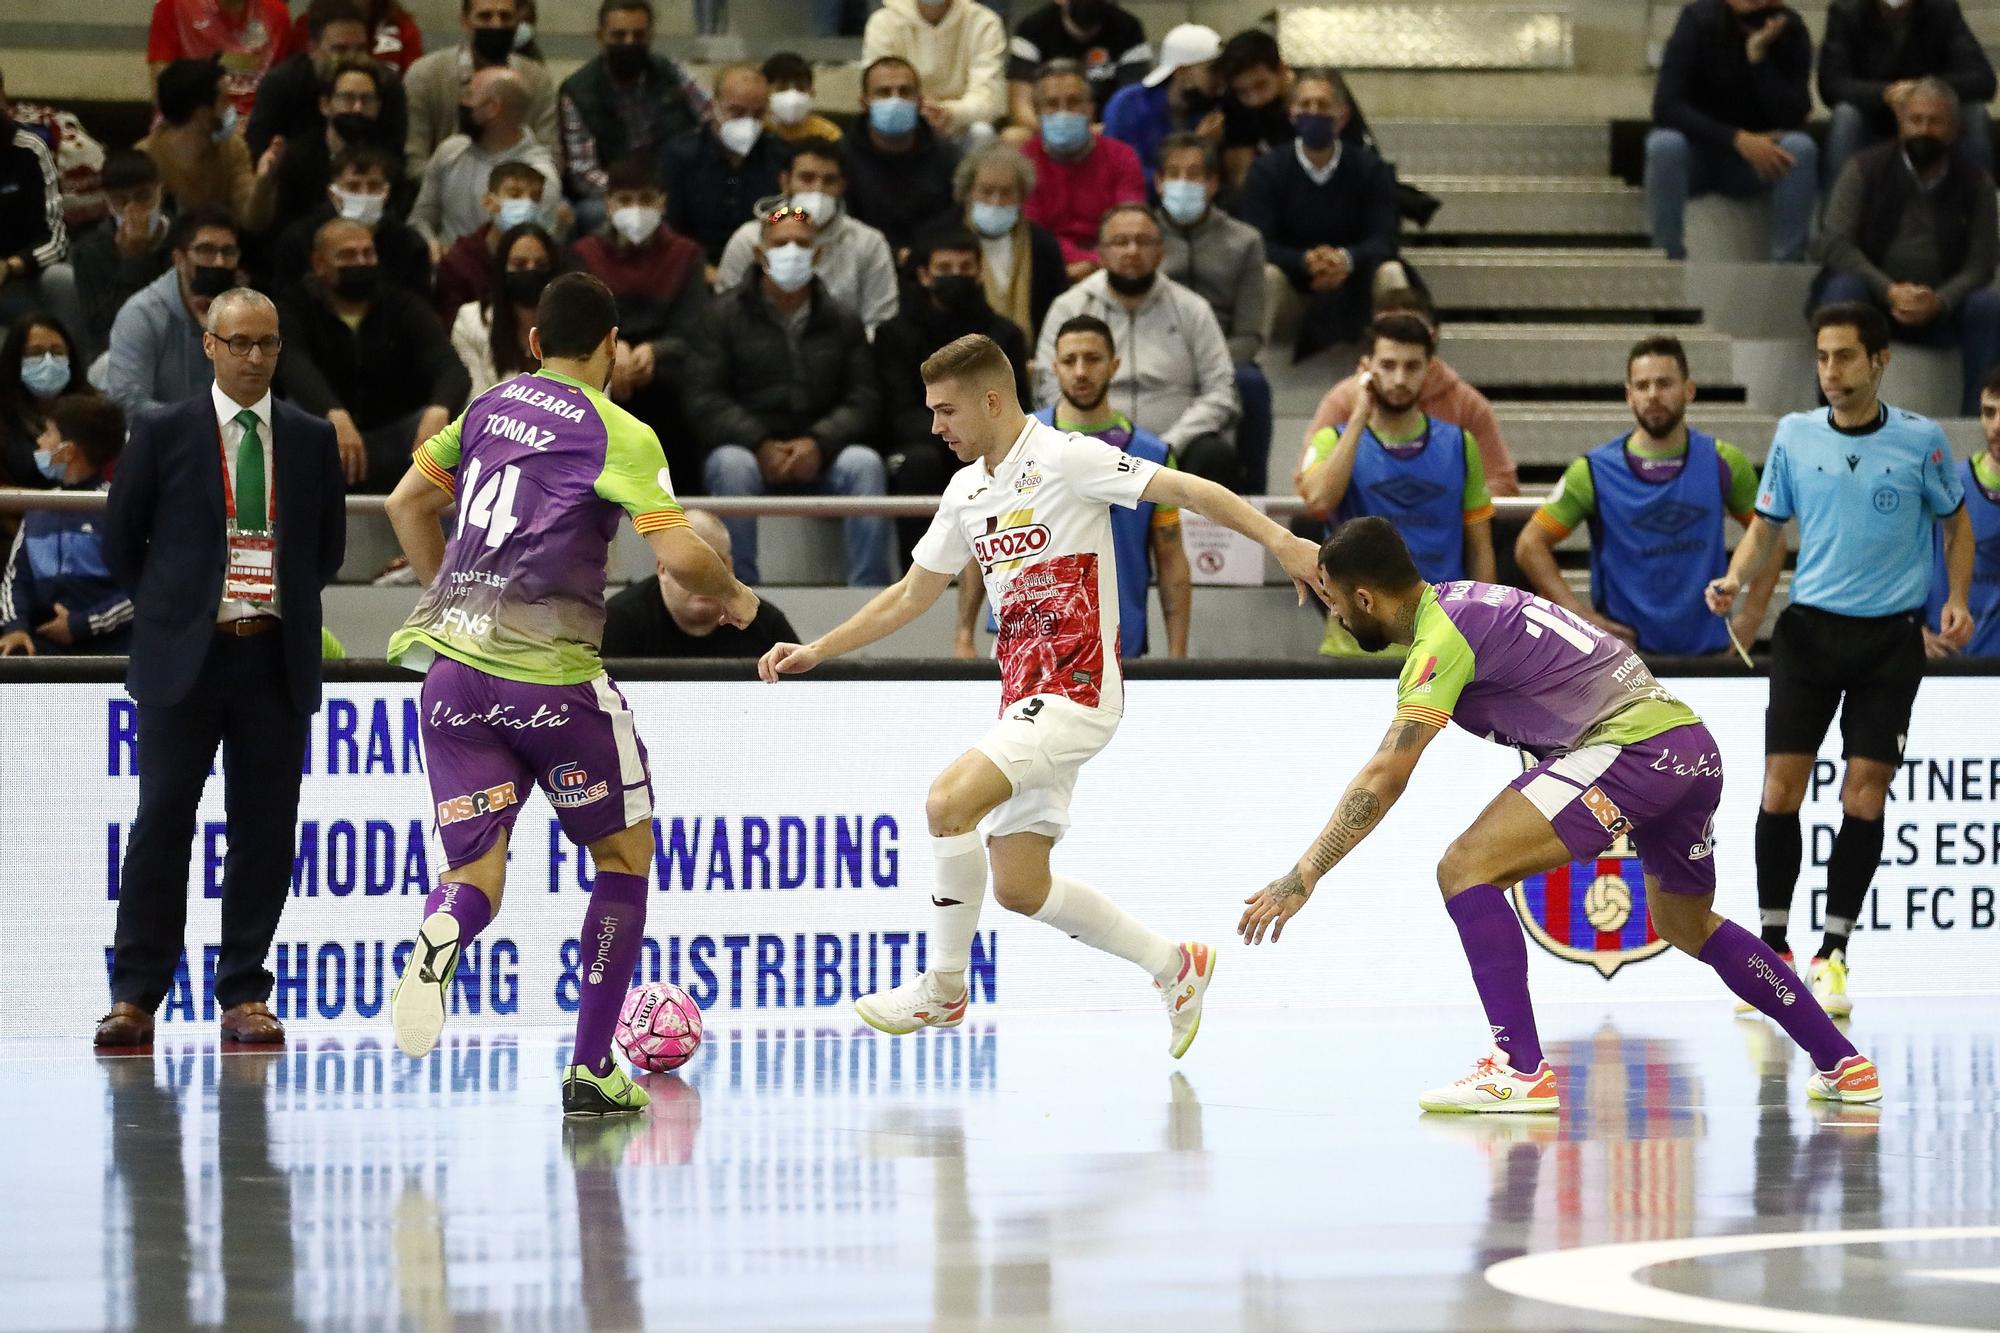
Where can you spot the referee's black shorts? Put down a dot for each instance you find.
(1817, 658)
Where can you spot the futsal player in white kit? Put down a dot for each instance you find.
(1032, 507)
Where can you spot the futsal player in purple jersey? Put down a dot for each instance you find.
(1617, 755)
(514, 694)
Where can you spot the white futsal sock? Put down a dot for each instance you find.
(1084, 914)
(959, 893)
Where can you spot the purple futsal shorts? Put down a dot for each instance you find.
(488, 741)
(1662, 792)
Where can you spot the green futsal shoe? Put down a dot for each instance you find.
(587, 1093)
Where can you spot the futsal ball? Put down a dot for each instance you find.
(1607, 903)
(659, 1027)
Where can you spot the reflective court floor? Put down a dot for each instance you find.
(1024, 1172)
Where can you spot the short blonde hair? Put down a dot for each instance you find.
(975, 359)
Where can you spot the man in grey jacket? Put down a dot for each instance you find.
(1175, 377)
(156, 354)
(1222, 261)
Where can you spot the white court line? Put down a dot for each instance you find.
(1959, 1274)
(1604, 1279)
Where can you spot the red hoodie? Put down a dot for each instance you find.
(1071, 198)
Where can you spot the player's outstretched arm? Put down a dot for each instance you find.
(885, 613)
(1298, 557)
(695, 565)
(1375, 788)
(413, 509)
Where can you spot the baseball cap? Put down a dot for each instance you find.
(1185, 44)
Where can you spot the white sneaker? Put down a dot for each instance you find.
(1183, 996)
(1852, 1080)
(1493, 1087)
(417, 1005)
(917, 1003)
(1745, 1007)
(1828, 979)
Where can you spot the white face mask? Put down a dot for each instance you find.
(790, 266)
(822, 206)
(740, 135)
(791, 106)
(636, 223)
(363, 208)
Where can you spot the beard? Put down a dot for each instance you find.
(1369, 636)
(1398, 405)
(1091, 404)
(1668, 420)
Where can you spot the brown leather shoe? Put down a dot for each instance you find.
(125, 1025)
(252, 1022)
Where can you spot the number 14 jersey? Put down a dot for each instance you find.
(541, 465)
(1039, 525)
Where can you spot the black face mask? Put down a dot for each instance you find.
(357, 282)
(627, 61)
(353, 127)
(466, 124)
(523, 286)
(1924, 150)
(211, 280)
(957, 294)
(1757, 18)
(1125, 286)
(1198, 103)
(492, 46)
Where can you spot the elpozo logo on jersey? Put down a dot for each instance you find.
(1593, 912)
(1007, 544)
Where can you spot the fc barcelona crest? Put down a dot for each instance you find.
(1592, 912)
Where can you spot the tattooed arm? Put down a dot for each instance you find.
(1374, 789)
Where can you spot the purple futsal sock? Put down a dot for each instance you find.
(1499, 957)
(463, 903)
(612, 933)
(1759, 977)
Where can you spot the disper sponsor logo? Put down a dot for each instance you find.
(461, 808)
(1011, 544)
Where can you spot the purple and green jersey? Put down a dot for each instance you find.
(1506, 665)
(542, 467)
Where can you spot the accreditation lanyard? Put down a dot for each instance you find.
(252, 569)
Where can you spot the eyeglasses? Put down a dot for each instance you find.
(242, 344)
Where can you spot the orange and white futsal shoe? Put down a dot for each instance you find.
(1494, 1087)
(1184, 994)
(917, 1003)
(1852, 1080)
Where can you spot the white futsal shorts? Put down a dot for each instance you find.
(1041, 743)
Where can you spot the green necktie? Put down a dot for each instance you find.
(252, 510)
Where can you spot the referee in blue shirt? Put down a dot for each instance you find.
(1868, 484)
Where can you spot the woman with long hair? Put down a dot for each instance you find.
(491, 337)
(39, 363)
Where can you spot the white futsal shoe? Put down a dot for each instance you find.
(1828, 979)
(1494, 1087)
(917, 1003)
(417, 1005)
(1183, 996)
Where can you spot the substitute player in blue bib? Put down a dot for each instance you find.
(1980, 475)
(1869, 484)
(1657, 502)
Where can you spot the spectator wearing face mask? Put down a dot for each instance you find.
(202, 160)
(1107, 43)
(369, 357)
(657, 276)
(242, 38)
(125, 251)
(1080, 175)
(450, 203)
(782, 389)
(1871, 54)
(660, 618)
(1022, 265)
(958, 49)
(351, 96)
(436, 84)
(899, 170)
(39, 367)
(394, 36)
(491, 336)
(156, 354)
(626, 102)
(56, 594)
(855, 265)
(792, 117)
(1179, 96)
(1911, 230)
(291, 99)
(359, 191)
(715, 175)
(513, 198)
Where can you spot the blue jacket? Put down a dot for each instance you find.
(58, 559)
(1140, 117)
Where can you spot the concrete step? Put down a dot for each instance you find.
(1520, 355)
(1543, 205)
(1572, 279)
(1495, 147)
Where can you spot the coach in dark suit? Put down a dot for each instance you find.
(225, 573)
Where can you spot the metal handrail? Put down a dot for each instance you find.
(17, 501)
